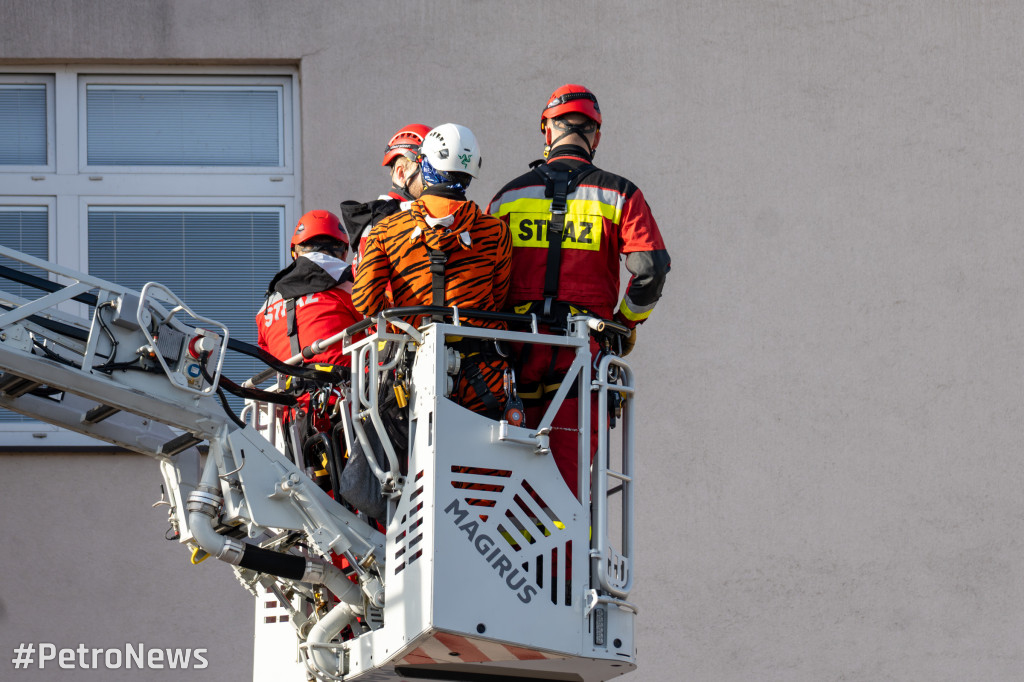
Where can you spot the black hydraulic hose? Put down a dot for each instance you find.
(255, 393)
(54, 326)
(220, 391)
(53, 356)
(42, 284)
(246, 393)
(333, 376)
(227, 409)
(268, 561)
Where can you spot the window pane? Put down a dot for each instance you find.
(23, 228)
(184, 126)
(23, 125)
(218, 262)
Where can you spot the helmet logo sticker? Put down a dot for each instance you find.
(465, 159)
(300, 228)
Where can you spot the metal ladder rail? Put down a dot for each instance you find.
(613, 569)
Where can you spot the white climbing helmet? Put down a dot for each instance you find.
(452, 148)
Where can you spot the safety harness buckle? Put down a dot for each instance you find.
(438, 258)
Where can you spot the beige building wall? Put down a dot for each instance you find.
(830, 451)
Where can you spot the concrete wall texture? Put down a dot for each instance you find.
(831, 395)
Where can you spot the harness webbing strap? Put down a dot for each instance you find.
(479, 386)
(293, 330)
(560, 190)
(438, 259)
(559, 184)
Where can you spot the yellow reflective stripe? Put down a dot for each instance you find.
(608, 211)
(524, 204)
(592, 207)
(631, 315)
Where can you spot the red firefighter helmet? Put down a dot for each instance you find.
(317, 224)
(570, 99)
(408, 139)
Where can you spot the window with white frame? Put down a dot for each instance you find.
(187, 179)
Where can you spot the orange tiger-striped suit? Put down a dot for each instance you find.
(477, 275)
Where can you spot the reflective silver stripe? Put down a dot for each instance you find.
(633, 311)
(609, 197)
(602, 195)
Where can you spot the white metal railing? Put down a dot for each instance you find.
(614, 569)
(612, 564)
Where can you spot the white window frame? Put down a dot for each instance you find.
(69, 187)
(46, 80)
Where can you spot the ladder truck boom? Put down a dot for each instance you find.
(482, 564)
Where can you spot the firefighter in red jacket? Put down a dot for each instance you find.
(311, 298)
(401, 158)
(595, 218)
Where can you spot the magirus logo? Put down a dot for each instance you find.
(499, 562)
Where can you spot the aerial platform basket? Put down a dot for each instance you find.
(493, 569)
(489, 570)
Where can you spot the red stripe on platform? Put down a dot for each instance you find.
(418, 657)
(525, 654)
(462, 646)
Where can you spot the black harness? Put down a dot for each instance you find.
(474, 351)
(484, 352)
(293, 329)
(300, 278)
(438, 259)
(558, 184)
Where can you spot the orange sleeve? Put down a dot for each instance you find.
(373, 274)
(502, 265)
